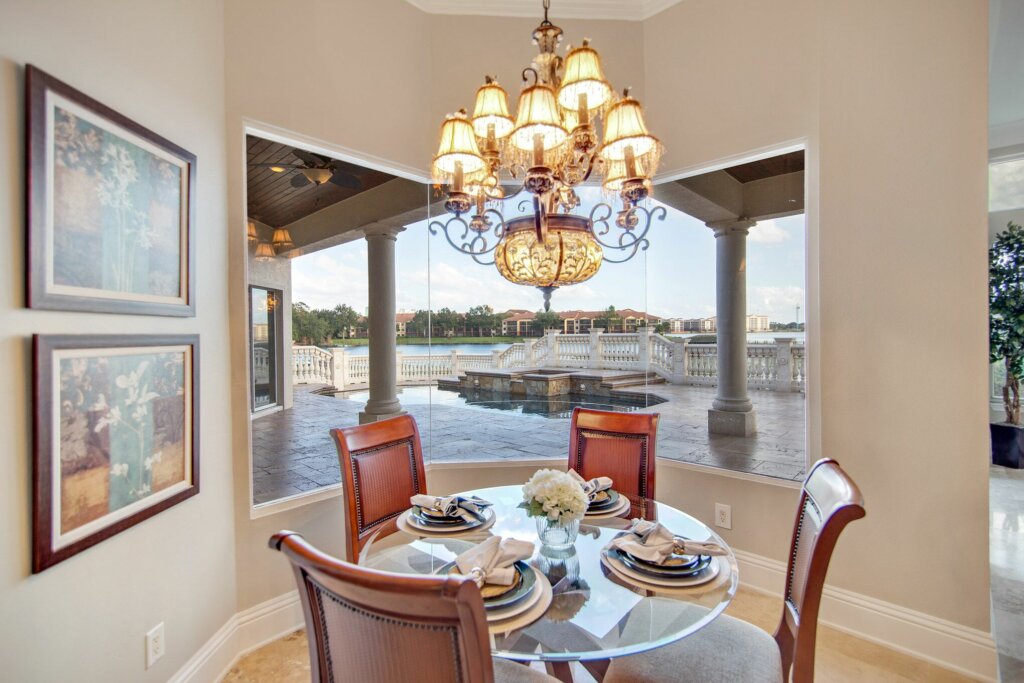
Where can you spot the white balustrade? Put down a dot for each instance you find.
(778, 366)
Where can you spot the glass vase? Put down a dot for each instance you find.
(556, 533)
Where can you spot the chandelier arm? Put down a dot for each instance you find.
(603, 220)
(468, 248)
(632, 241)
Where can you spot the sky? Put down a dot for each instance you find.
(674, 278)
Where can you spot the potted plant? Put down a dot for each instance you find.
(1006, 339)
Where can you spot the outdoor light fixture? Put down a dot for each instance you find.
(264, 251)
(282, 239)
(569, 126)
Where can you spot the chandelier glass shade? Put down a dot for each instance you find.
(570, 128)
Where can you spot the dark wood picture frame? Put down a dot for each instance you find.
(46, 439)
(39, 254)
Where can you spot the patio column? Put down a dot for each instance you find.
(383, 402)
(732, 412)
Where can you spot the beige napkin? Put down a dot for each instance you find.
(652, 542)
(492, 560)
(469, 509)
(593, 486)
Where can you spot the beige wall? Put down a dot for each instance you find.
(160, 63)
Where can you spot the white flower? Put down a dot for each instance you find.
(151, 460)
(120, 470)
(559, 496)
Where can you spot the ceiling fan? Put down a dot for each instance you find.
(317, 169)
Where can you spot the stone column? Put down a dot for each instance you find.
(340, 362)
(783, 364)
(731, 411)
(383, 402)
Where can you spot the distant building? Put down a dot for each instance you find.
(624, 320)
(700, 325)
(758, 323)
(517, 323)
(401, 320)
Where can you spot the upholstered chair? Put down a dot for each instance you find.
(381, 468)
(617, 445)
(728, 649)
(367, 625)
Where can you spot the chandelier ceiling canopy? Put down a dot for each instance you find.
(570, 127)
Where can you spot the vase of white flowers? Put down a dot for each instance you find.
(558, 502)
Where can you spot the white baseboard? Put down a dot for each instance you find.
(967, 651)
(244, 632)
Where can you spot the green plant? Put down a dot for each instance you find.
(1006, 313)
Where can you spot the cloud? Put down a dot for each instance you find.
(778, 303)
(768, 232)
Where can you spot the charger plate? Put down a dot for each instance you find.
(501, 597)
(408, 523)
(525, 613)
(643, 581)
(616, 510)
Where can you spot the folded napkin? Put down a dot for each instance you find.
(469, 509)
(492, 560)
(593, 486)
(652, 542)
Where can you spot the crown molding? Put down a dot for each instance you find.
(633, 10)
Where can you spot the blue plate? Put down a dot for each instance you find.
(525, 581)
(660, 571)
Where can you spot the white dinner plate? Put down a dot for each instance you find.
(532, 609)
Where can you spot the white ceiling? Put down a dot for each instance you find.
(1006, 72)
(629, 10)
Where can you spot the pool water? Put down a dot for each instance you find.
(558, 408)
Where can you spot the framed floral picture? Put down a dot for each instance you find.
(111, 207)
(116, 436)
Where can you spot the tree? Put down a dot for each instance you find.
(608, 319)
(662, 328)
(308, 326)
(482, 318)
(447, 320)
(1006, 313)
(547, 320)
(419, 325)
(344, 318)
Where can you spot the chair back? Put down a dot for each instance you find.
(381, 468)
(829, 500)
(367, 625)
(618, 445)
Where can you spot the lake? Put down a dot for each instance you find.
(483, 349)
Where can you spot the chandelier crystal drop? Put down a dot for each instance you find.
(570, 128)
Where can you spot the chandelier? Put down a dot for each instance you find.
(570, 127)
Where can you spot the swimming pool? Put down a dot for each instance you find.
(558, 408)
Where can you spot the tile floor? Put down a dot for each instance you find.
(293, 452)
(1006, 557)
(840, 658)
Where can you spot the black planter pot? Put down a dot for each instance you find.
(1007, 445)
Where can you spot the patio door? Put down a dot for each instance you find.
(265, 347)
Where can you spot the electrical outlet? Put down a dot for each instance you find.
(155, 644)
(723, 515)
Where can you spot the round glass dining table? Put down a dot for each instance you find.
(594, 614)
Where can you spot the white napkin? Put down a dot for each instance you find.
(593, 486)
(652, 542)
(492, 560)
(469, 509)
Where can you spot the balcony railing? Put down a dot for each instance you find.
(775, 366)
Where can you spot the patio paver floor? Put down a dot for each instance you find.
(293, 451)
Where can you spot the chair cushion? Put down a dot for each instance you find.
(725, 651)
(506, 671)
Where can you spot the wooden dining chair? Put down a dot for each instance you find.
(381, 468)
(730, 649)
(368, 625)
(618, 445)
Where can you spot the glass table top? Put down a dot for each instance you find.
(594, 614)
